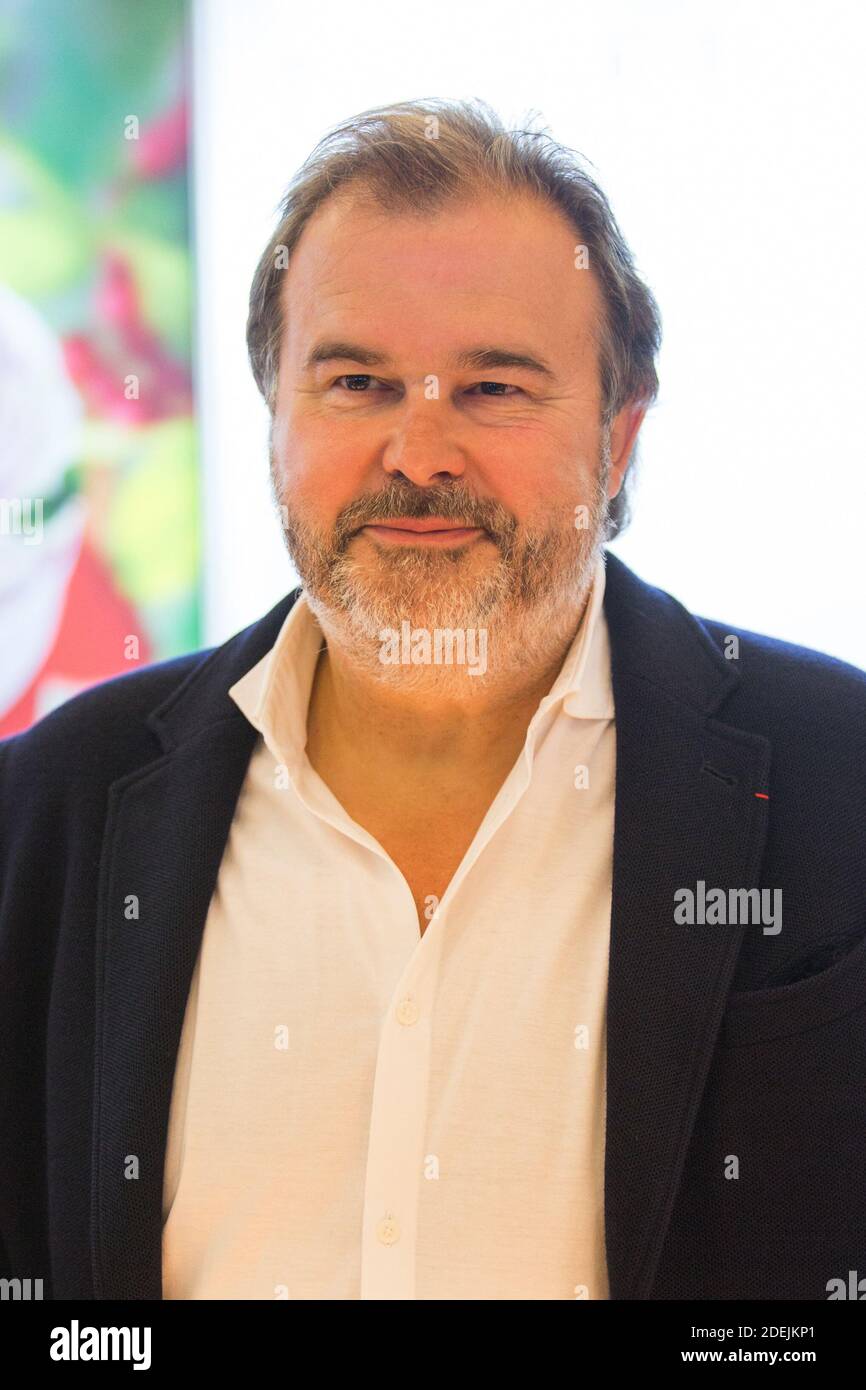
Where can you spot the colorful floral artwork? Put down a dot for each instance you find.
(99, 497)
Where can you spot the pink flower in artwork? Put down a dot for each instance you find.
(122, 346)
(161, 146)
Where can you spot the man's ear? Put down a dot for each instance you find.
(623, 435)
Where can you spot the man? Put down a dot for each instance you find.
(479, 924)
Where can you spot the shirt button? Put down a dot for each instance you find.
(407, 1011)
(388, 1230)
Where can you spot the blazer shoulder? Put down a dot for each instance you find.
(798, 684)
(103, 727)
(98, 736)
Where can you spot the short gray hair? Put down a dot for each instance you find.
(415, 157)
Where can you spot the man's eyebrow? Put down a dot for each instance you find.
(481, 358)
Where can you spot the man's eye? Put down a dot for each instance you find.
(355, 382)
(499, 388)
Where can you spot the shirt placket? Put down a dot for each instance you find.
(398, 1127)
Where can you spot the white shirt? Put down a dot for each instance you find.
(363, 1111)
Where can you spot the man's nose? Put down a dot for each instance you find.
(423, 448)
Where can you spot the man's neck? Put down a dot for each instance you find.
(442, 733)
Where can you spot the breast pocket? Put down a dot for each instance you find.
(759, 1015)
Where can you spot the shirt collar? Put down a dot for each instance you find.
(584, 681)
(275, 693)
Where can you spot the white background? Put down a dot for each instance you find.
(731, 141)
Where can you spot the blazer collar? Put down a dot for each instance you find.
(202, 699)
(654, 638)
(685, 810)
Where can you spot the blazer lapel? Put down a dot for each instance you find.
(165, 833)
(686, 811)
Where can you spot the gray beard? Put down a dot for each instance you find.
(528, 602)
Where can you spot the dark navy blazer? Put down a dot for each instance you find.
(730, 1050)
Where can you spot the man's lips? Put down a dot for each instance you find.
(434, 530)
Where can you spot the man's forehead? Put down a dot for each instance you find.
(513, 263)
(345, 231)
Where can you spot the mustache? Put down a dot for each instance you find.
(405, 500)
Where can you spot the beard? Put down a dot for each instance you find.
(527, 596)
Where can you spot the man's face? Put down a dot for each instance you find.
(513, 454)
